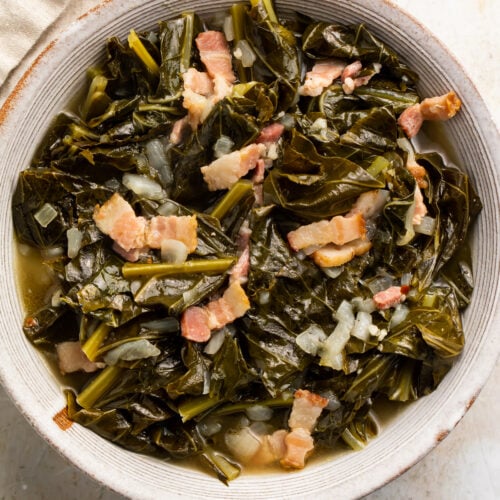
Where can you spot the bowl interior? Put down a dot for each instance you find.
(52, 84)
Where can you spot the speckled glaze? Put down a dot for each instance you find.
(59, 73)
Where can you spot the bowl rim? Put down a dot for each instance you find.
(457, 404)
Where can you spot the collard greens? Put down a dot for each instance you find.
(335, 147)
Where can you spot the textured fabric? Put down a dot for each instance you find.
(21, 24)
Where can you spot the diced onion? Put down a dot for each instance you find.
(166, 325)
(427, 226)
(288, 121)
(379, 283)
(331, 351)
(228, 28)
(399, 315)
(333, 272)
(365, 305)
(215, 343)
(264, 297)
(259, 413)
(361, 325)
(156, 153)
(209, 426)
(406, 279)
(173, 251)
(310, 340)
(74, 241)
(45, 215)
(168, 208)
(243, 444)
(223, 146)
(130, 351)
(52, 252)
(244, 52)
(143, 186)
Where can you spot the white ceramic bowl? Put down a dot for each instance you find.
(59, 73)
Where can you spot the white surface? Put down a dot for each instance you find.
(465, 466)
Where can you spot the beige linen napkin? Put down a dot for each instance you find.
(22, 22)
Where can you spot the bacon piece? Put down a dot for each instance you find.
(332, 255)
(198, 107)
(179, 130)
(225, 171)
(260, 170)
(420, 208)
(321, 76)
(369, 204)
(441, 107)
(130, 256)
(240, 269)
(306, 409)
(390, 297)
(419, 174)
(351, 70)
(215, 55)
(351, 80)
(197, 322)
(73, 359)
(181, 228)
(198, 81)
(338, 230)
(194, 324)
(299, 443)
(117, 219)
(270, 133)
(272, 449)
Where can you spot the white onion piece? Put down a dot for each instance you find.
(210, 426)
(333, 272)
(406, 279)
(74, 241)
(264, 297)
(215, 342)
(243, 444)
(365, 305)
(310, 340)
(51, 252)
(379, 284)
(288, 121)
(166, 325)
(45, 214)
(55, 300)
(244, 52)
(361, 325)
(399, 315)
(228, 28)
(168, 208)
(173, 251)
(206, 382)
(261, 428)
(223, 146)
(156, 153)
(143, 186)
(427, 226)
(259, 413)
(331, 351)
(130, 351)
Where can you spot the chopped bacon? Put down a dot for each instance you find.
(260, 170)
(130, 255)
(215, 55)
(117, 219)
(351, 71)
(390, 297)
(306, 409)
(240, 270)
(419, 174)
(194, 324)
(73, 359)
(198, 107)
(133, 235)
(198, 81)
(197, 322)
(332, 255)
(338, 230)
(225, 171)
(441, 107)
(244, 234)
(179, 129)
(181, 228)
(351, 80)
(420, 208)
(270, 133)
(369, 204)
(272, 449)
(299, 444)
(321, 76)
